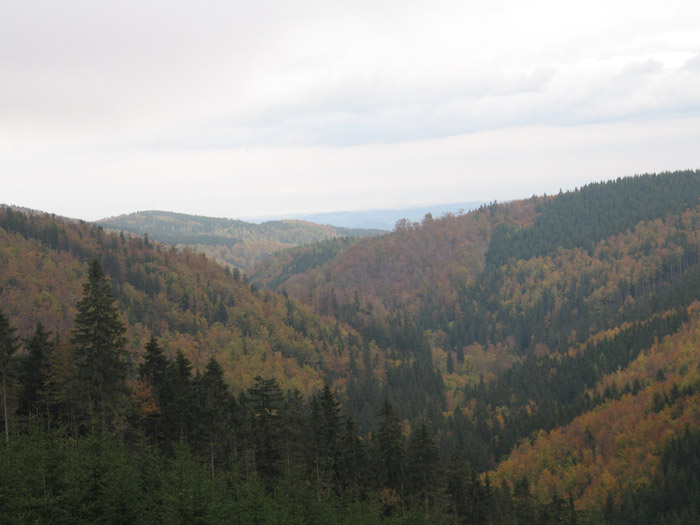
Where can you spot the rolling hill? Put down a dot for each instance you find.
(227, 241)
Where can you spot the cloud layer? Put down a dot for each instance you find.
(235, 89)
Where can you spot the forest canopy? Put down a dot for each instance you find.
(527, 362)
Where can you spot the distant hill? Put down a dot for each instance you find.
(227, 241)
(382, 219)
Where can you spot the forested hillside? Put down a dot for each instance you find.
(227, 241)
(527, 307)
(529, 362)
(194, 305)
(147, 385)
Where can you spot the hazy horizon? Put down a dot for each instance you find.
(439, 207)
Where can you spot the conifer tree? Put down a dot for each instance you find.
(34, 372)
(216, 408)
(155, 365)
(153, 372)
(59, 388)
(8, 346)
(326, 424)
(352, 461)
(265, 401)
(389, 449)
(423, 465)
(458, 484)
(98, 347)
(177, 409)
(295, 436)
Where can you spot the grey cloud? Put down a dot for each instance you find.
(227, 74)
(641, 69)
(693, 64)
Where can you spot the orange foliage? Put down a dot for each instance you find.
(175, 295)
(628, 434)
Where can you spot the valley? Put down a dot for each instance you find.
(533, 361)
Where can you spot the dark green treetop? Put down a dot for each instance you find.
(34, 371)
(98, 348)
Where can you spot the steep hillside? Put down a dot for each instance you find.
(203, 309)
(274, 271)
(616, 450)
(192, 304)
(527, 308)
(415, 265)
(543, 271)
(228, 241)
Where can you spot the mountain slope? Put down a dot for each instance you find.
(526, 307)
(479, 279)
(617, 448)
(408, 267)
(192, 304)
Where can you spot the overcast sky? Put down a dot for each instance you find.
(232, 109)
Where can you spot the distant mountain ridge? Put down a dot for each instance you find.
(229, 241)
(383, 219)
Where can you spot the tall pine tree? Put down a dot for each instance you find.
(8, 346)
(215, 410)
(325, 426)
(98, 347)
(423, 469)
(153, 374)
(34, 372)
(388, 447)
(265, 402)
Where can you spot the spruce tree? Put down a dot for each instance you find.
(98, 348)
(423, 469)
(34, 372)
(155, 365)
(153, 372)
(325, 426)
(8, 346)
(388, 447)
(352, 461)
(215, 409)
(178, 403)
(295, 437)
(265, 400)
